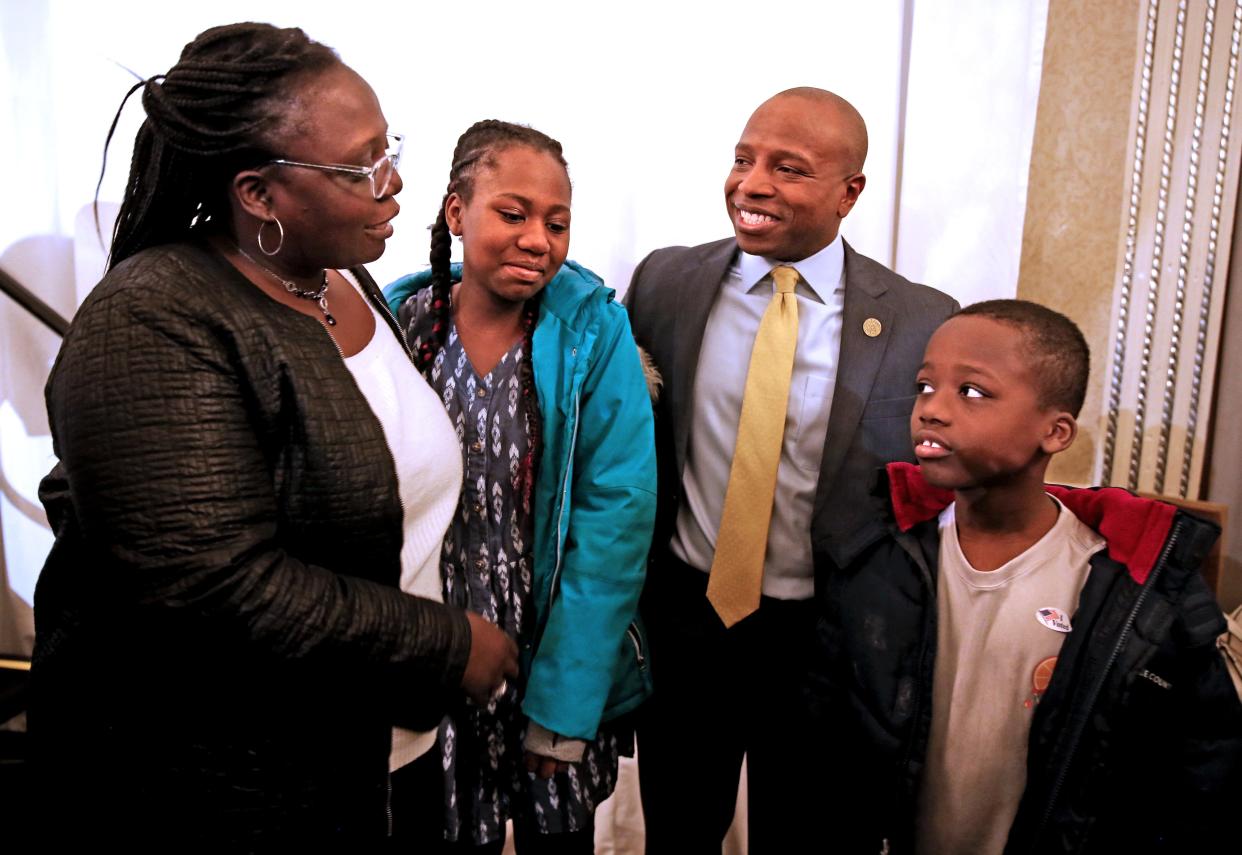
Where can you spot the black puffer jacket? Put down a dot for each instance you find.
(1136, 745)
(221, 650)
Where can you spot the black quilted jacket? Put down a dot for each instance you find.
(1136, 746)
(221, 650)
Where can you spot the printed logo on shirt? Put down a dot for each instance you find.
(1040, 678)
(1053, 618)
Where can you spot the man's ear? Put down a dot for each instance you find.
(454, 206)
(1062, 431)
(853, 189)
(253, 193)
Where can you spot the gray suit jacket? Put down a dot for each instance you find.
(670, 296)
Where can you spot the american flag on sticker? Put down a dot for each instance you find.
(1053, 618)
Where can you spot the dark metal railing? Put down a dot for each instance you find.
(31, 302)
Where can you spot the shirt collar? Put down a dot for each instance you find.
(822, 273)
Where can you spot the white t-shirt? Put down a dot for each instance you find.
(429, 477)
(999, 633)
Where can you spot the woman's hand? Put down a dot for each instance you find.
(493, 657)
(544, 767)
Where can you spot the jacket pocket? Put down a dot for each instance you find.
(631, 682)
(636, 641)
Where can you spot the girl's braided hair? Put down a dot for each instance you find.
(222, 108)
(478, 148)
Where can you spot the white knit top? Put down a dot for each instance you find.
(429, 476)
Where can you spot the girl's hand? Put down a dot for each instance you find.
(544, 767)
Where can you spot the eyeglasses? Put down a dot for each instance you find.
(379, 173)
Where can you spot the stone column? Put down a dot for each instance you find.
(1129, 224)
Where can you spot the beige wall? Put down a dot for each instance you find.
(1075, 196)
(1078, 217)
(1224, 479)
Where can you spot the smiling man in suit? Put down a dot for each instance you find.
(759, 498)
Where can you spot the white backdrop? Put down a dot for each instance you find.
(647, 97)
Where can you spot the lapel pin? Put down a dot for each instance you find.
(872, 327)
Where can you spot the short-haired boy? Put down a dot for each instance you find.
(1017, 667)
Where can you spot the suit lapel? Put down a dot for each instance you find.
(694, 304)
(860, 359)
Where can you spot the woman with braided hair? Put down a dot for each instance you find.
(536, 366)
(240, 630)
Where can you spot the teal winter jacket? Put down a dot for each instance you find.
(594, 505)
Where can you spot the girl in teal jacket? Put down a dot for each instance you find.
(538, 370)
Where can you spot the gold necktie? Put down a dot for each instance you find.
(737, 569)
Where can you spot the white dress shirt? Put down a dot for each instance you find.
(720, 381)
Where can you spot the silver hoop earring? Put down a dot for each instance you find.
(259, 237)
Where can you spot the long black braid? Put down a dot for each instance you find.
(221, 109)
(476, 149)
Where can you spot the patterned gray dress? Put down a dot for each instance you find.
(486, 567)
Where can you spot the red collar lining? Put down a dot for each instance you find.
(1135, 528)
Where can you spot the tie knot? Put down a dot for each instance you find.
(785, 278)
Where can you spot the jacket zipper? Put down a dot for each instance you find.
(388, 804)
(632, 632)
(332, 339)
(930, 583)
(560, 520)
(1098, 687)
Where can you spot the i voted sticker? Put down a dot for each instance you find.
(1053, 618)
